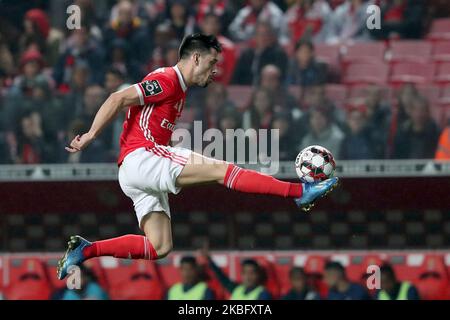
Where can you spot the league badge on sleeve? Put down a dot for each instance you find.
(151, 88)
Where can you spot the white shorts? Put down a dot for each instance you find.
(148, 175)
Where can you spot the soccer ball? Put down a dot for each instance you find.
(314, 163)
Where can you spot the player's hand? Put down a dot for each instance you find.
(79, 143)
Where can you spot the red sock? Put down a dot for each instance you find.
(254, 182)
(128, 247)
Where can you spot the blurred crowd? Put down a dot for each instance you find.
(53, 80)
(195, 284)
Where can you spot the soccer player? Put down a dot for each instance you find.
(149, 168)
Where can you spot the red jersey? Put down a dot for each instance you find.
(162, 94)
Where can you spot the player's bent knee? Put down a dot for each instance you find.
(164, 249)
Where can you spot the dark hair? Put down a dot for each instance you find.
(211, 15)
(297, 271)
(116, 72)
(335, 265)
(262, 276)
(388, 270)
(302, 43)
(198, 42)
(189, 260)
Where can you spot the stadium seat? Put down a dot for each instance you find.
(240, 95)
(440, 29)
(442, 73)
(366, 73)
(283, 265)
(372, 52)
(410, 72)
(445, 95)
(330, 54)
(409, 50)
(433, 282)
(434, 263)
(134, 280)
(441, 51)
(28, 280)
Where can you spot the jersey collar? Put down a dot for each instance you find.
(180, 78)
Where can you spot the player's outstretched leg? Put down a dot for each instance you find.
(200, 169)
(156, 244)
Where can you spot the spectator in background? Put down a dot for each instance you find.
(93, 99)
(6, 57)
(211, 25)
(299, 286)
(244, 25)
(115, 81)
(357, 144)
(31, 65)
(405, 96)
(271, 81)
(288, 136)
(260, 113)
(74, 98)
(304, 69)
(378, 121)
(119, 57)
(32, 148)
(253, 279)
(417, 137)
(30, 89)
(96, 153)
(266, 51)
(144, 10)
(179, 18)
(79, 47)
(164, 37)
(191, 286)
(132, 31)
(229, 118)
(306, 19)
(171, 53)
(348, 23)
(36, 30)
(340, 288)
(222, 9)
(443, 148)
(90, 288)
(392, 289)
(215, 100)
(5, 151)
(323, 131)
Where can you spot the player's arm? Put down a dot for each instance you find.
(149, 91)
(107, 112)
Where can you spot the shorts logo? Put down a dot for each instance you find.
(151, 87)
